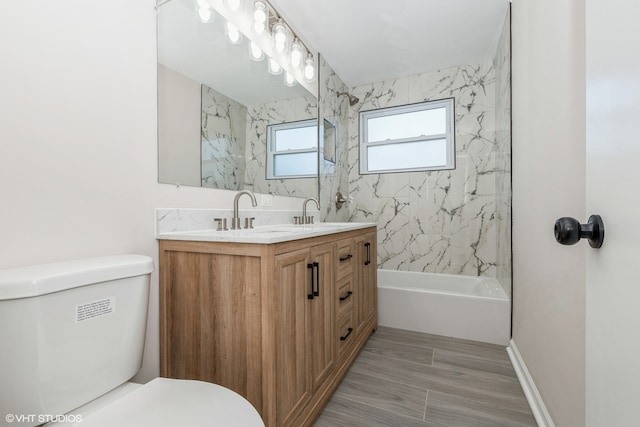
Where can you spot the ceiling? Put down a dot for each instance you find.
(367, 41)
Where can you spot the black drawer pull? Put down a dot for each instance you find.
(346, 258)
(346, 336)
(368, 248)
(310, 296)
(316, 265)
(346, 297)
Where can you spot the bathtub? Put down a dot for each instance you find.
(473, 308)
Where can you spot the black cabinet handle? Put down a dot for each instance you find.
(346, 258)
(347, 335)
(317, 268)
(346, 297)
(368, 248)
(310, 267)
(568, 231)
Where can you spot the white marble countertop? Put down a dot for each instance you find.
(266, 234)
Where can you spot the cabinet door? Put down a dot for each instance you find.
(293, 376)
(366, 271)
(322, 328)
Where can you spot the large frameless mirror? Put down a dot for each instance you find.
(217, 105)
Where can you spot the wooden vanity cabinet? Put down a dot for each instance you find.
(266, 320)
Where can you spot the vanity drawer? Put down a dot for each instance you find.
(345, 258)
(345, 294)
(346, 335)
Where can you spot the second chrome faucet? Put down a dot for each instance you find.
(306, 219)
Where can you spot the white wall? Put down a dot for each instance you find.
(78, 156)
(548, 183)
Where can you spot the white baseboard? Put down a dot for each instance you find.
(536, 403)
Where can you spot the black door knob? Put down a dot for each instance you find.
(569, 231)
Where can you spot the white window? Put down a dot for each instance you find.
(292, 150)
(416, 137)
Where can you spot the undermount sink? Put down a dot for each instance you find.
(275, 229)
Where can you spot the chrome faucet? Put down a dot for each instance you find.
(308, 219)
(235, 221)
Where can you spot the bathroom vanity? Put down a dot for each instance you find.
(277, 314)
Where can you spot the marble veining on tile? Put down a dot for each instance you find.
(223, 139)
(259, 117)
(454, 221)
(234, 138)
(169, 220)
(334, 177)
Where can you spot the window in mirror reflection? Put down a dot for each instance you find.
(292, 150)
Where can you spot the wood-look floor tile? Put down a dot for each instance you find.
(477, 387)
(388, 395)
(448, 410)
(469, 384)
(438, 342)
(399, 350)
(391, 369)
(341, 412)
(480, 366)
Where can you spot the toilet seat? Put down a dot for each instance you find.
(169, 402)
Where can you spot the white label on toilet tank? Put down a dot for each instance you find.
(95, 309)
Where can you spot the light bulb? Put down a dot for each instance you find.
(259, 16)
(256, 53)
(205, 15)
(279, 36)
(296, 53)
(258, 28)
(232, 5)
(274, 67)
(259, 12)
(309, 69)
(233, 35)
(205, 12)
(289, 80)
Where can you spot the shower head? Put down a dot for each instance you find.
(353, 100)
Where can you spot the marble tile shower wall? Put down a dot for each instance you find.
(258, 118)
(442, 221)
(502, 65)
(335, 109)
(223, 135)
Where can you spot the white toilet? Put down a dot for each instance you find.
(72, 335)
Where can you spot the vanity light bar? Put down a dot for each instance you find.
(284, 38)
(268, 33)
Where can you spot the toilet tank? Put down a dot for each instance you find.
(70, 332)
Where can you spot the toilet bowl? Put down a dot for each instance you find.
(165, 402)
(73, 336)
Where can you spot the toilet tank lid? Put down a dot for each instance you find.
(35, 280)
